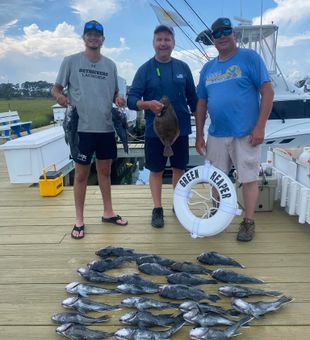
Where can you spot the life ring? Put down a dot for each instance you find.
(228, 206)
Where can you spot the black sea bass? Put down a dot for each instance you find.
(166, 126)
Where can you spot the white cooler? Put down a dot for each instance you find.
(27, 156)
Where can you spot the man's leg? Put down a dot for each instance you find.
(176, 175)
(250, 196)
(156, 181)
(104, 178)
(79, 189)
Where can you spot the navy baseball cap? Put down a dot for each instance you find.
(164, 28)
(93, 25)
(221, 23)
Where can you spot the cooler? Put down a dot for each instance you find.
(51, 183)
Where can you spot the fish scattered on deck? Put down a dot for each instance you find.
(105, 264)
(214, 258)
(188, 279)
(190, 267)
(205, 307)
(76, 331)
(259, 308)
(85, 289)
(182, 292)
(166, 126)
(154, 269)
(136, 279)
(230, 276)
(154, 259)
(218, 334)
(145, 303)
(83, 305)
(94, 276)
(132, 288)
(145, 319)
(117, 251)
(241, 291)
(206, 319)
(119, 119)
(73, 317)
(144, 334)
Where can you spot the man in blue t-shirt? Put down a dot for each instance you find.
(236, 90)
(160, 76)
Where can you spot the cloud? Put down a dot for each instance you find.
(96, 9)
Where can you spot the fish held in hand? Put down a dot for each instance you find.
(214, 258)
(166, 126)
(119, 119)
(70, 126)
(76, 331)
(77, 318)
(83, 305)
(241, 291)
(259, 308)
(230, 276)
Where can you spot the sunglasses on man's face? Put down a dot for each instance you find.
(218, 34)
(92, 26)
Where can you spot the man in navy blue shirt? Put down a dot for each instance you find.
(160, 76)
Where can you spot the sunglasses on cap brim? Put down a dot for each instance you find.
(218, 34)
(92, 26)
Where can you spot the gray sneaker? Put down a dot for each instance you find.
(158, 218)
(246, 231)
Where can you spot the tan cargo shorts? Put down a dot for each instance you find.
(224, 152)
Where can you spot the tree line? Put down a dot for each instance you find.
(28, 89)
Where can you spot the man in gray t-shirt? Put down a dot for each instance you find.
(91, 82)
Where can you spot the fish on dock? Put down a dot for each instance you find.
(154, 259)
(230, 276)
(117, 251)
(84, 306)
(214, 258)
(241, 291)
(105, 264)
(145, 319)
(188, 279)
(77, 331)
(190, 267)
(94, 276)
(205, 307)
(141, 334)
(154, 269)
(142, 303)
(206, 319)
(131, 288)
(259, 308)
(86, 290)
(182, 292)
(166, 126)
(219, 334)
(73, 317)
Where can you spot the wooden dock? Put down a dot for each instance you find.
(39, 258)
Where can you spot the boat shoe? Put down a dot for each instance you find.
(158, 218)
(246, 231)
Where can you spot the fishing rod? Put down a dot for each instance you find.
(198, 16)
(167, 13)
(191, 27)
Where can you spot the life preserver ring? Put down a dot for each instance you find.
(228, 207)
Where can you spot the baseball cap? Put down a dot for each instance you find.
(221, 23)
(93, 25)
(164, 28)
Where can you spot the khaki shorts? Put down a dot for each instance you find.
(223, 152)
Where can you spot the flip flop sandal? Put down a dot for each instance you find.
(114, 220)
(78, 229)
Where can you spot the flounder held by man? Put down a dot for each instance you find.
(166, 126)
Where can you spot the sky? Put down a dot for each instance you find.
(35, 35)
